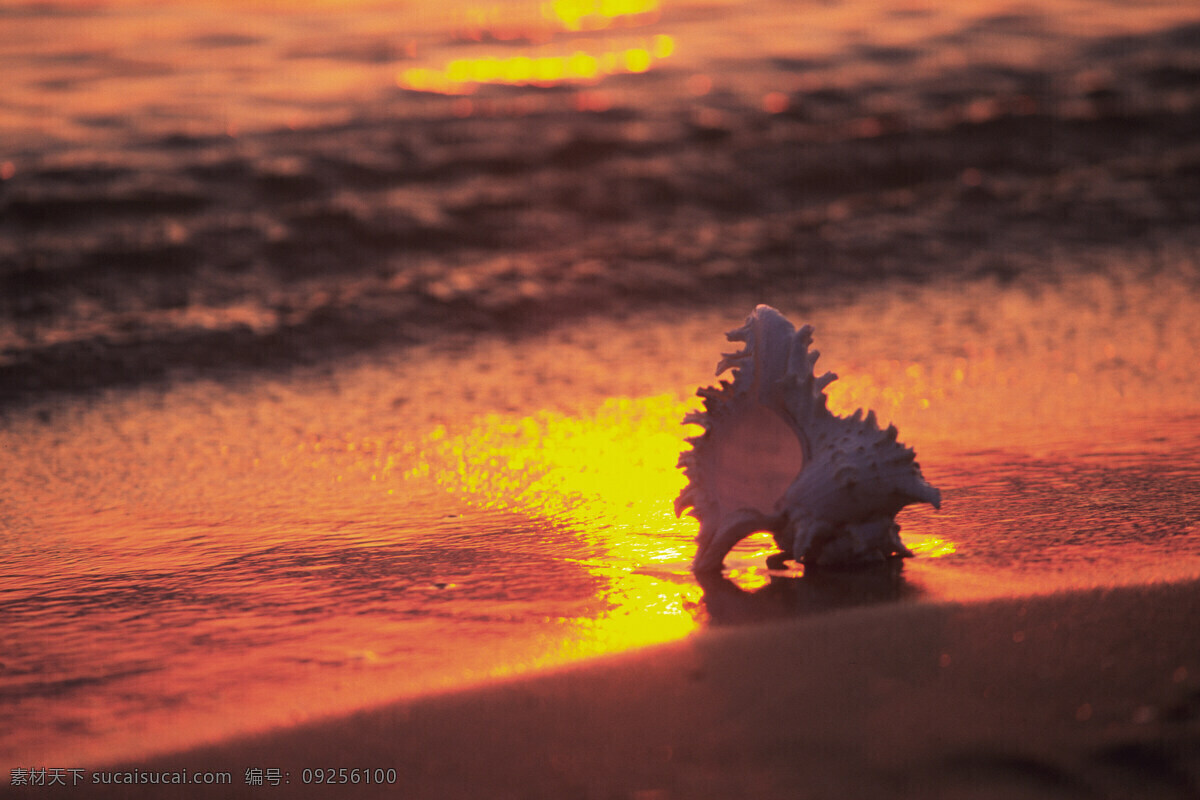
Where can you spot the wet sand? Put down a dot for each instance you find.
(1090, 694)
(224, 558)
(300, 370)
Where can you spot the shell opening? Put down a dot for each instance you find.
(757, 458)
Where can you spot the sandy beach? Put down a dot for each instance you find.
(344, 349)
(1092, 694)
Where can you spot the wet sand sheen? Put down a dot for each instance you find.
(318, 392)
(299, 547)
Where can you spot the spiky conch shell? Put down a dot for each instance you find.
(773, 458)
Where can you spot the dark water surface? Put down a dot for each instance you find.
(201, 187)
(319, 390)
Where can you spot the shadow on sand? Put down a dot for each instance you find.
(816, 591)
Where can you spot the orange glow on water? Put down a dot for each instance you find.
(532, 21)
(464, 75)
(584, 15)
(585, 60)
(775, 103)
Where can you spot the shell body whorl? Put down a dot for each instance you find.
(773, 458)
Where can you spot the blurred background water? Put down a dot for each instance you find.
(344, 347)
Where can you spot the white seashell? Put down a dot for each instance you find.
(773, 458)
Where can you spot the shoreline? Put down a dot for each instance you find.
(1057, 696)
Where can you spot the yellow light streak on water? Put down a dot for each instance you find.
(581, 15)
(536, 68)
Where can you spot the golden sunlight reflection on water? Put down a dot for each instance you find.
(560, 56)
(540, 68)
